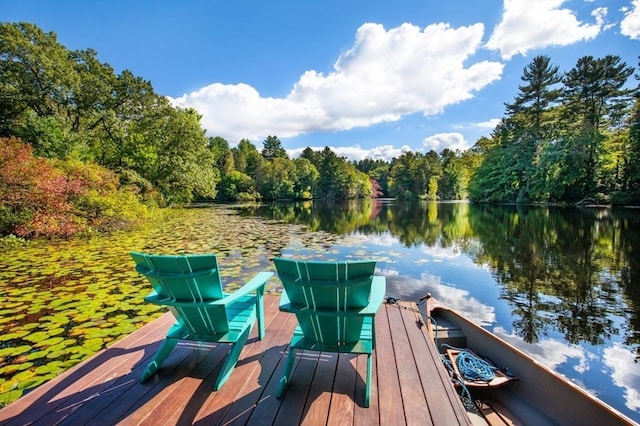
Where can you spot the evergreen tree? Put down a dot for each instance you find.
(314, 157)
(272, 148)
(595, 93)
(538, 94)
(529, 121)
(632, 158)
(329, 179)
(596, 100)
(247, 158)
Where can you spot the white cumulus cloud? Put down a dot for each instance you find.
(488, 125)
(384, 76)
(626, 373)
(536, 24)
(630, 25)
(453, 141)
(356, 153)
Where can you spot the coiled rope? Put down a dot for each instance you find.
(474, 368)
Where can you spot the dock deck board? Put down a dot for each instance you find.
(409, 383)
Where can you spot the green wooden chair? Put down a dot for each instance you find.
(190, 286)
(335, 304)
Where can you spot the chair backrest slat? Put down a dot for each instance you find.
(321, 288)
(187, 279)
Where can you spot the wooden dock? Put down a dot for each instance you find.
(410, 384)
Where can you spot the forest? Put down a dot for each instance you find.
(83, 148)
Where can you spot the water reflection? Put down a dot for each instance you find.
(561, 284)
(559, 269)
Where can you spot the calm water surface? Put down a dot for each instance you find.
(562, 284)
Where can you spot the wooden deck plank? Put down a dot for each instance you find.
(82, 383)
(408, 382)
(412, 393)
(434, 376)
(247, 379)
(367, 416)
(196, 381)
(271, 350)
(268, 405)
(390, 407)
(343, 395)
(319, 402)
(163, 395)
(294, 399)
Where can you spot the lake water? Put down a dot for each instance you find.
(562, 284)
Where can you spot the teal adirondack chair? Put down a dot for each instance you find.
(190, 286)
(335, 304)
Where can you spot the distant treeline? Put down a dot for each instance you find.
(85, 148)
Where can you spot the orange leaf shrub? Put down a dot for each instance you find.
(34, 196)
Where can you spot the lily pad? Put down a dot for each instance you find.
(13, 336)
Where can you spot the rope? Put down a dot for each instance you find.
(472, 367)
(465, 395)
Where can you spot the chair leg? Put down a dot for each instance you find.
(232, 359)
(260, 313)
(367, 385)
(161, 356)
(286, 374)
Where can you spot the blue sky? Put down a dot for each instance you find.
(365, 77)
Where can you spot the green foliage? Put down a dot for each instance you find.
(339, 179)
(415, 175)
(105, 205)
(247, 159)
(631, 159)
(561, 149)
(278, 181)
(237, 186)
(67, 104)
(453, 182)
(378, 170)
(11, 242)
(306, 178)
(565, 138)
(219, 148)
(314, 157)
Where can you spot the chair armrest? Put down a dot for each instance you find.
(259, 280)
(254, 284)
(378, 291)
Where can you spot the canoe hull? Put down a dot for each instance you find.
(540, 393)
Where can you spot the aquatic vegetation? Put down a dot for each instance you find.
(64, 300)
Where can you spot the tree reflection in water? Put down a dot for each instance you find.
(561, 269)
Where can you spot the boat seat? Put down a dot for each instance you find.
(448, 334)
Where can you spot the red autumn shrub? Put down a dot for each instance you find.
(34, 196)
